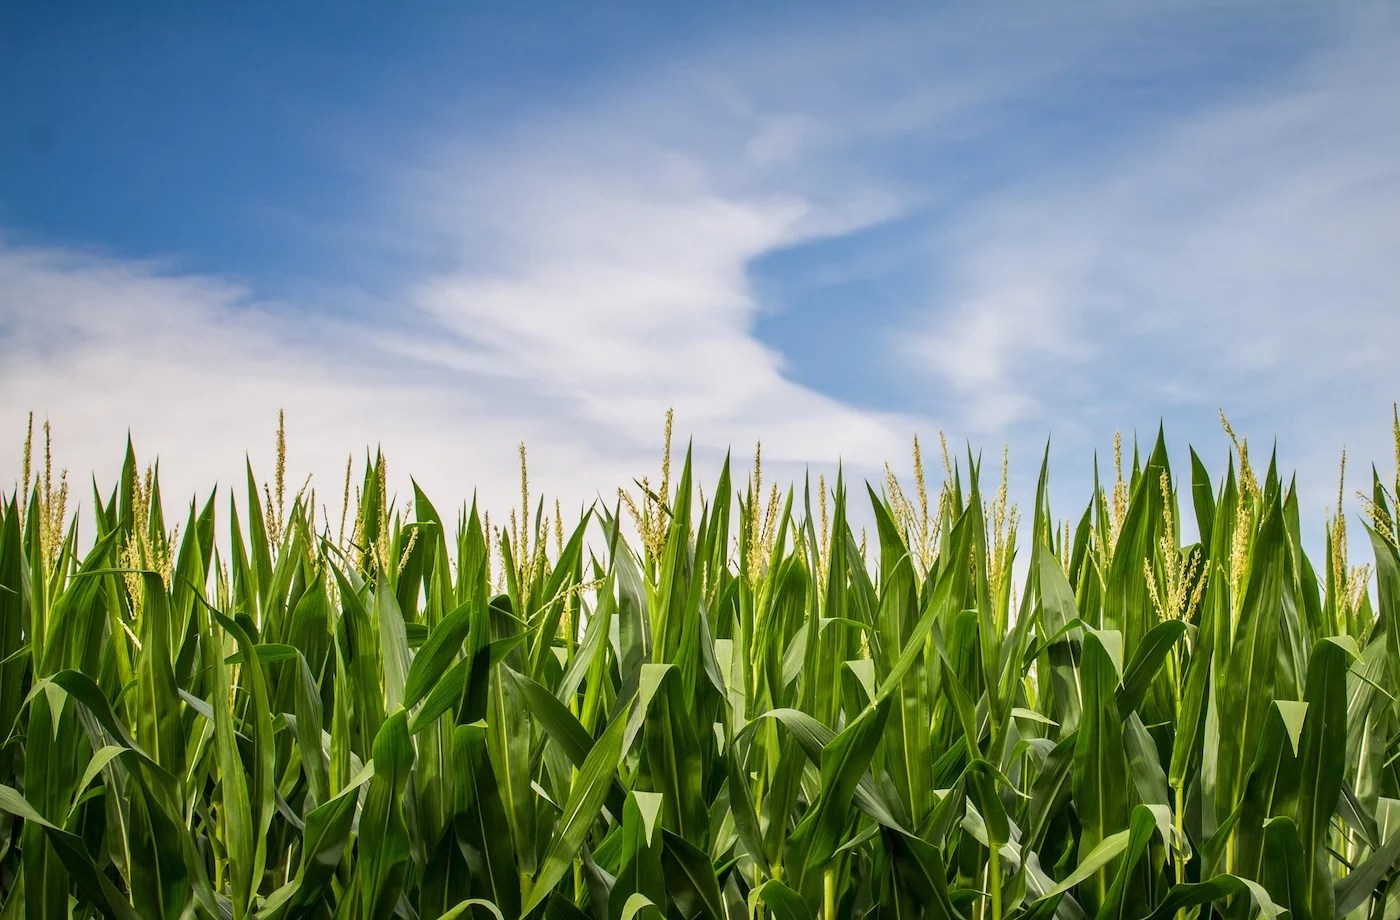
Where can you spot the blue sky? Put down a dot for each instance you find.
(449, 227)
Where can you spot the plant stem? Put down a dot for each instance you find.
(994, 883)
(1179, 858)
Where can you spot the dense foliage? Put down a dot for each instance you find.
(721, 706)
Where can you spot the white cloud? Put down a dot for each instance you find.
(1239, 256)
(197, 371)
(586, 268)
(594, 277)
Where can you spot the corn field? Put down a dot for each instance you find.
(716, 702)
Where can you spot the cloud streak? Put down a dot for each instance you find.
(566, 277)
(1236, 256)
(580, 282)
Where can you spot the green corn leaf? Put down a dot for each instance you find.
(383, 832)
(1217, 889)
(470, 906)
(1100, 784)
(784, 903)
(1146, 662)
(1118, 903)
(844, 762)
(691, 878)
(324, 842)
(1284, 873)
(589, 790)
(1359, 885)
(480, 821)
(641, 874)
(437, 654)
(93, 885)
(1321, 766)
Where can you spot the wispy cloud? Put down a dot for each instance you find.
(565, 276)
(579, 280)
(1239, 255)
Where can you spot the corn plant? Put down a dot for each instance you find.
(679, 706)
